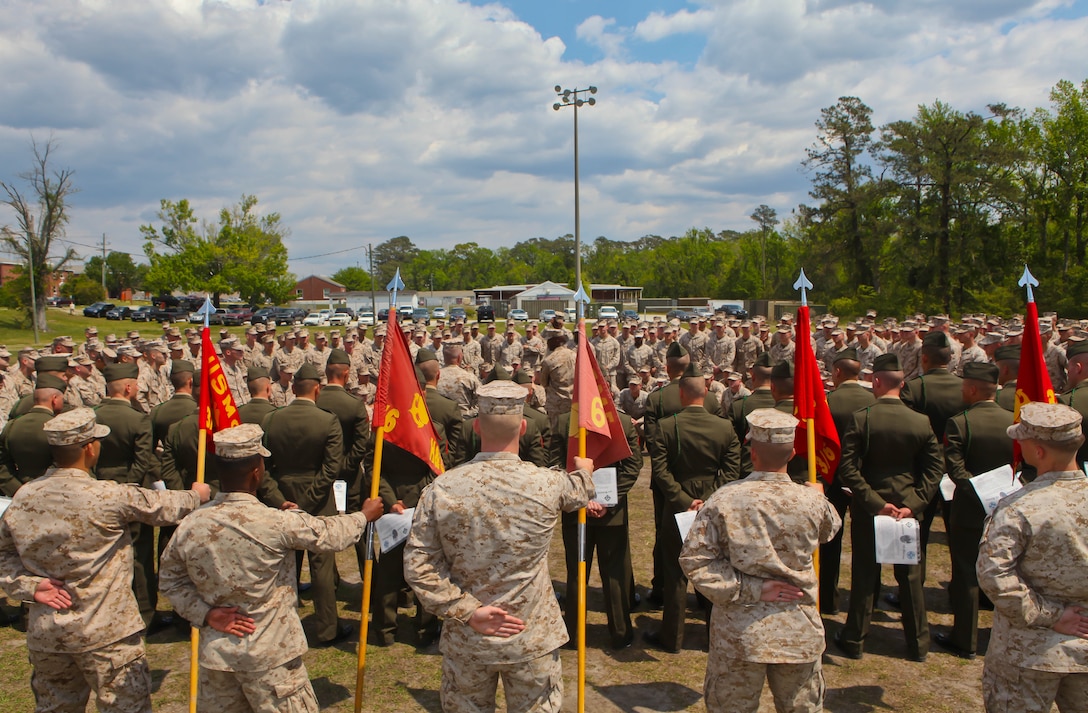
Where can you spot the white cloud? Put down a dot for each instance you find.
(359, 121)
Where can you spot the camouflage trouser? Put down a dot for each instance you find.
(118, 674)
(736, 686)
(535, 685)
(284, 689)
(1007, 688)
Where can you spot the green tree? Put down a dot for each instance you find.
(84, 289)
(353, 278)
(946, 175)
(395, 253)
(842, 182)
(766, 217)
(41, 213)
(1065, 156)
(244, 253)
(122, 273)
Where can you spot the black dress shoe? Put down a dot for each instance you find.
(343, 633)
(892, 600)
(304, 586)
(654, 639)
(846, 649)
(624, 643)
(944, 640)
(655, 602)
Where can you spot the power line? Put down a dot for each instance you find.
(334, 252)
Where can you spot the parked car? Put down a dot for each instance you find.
(290, 315)
(457, 313)
(366, 317)
(405, 311)
(546, 315)
(680, 314)
(142, 314)
(59, 301)
(169, 314)
(518, 315)
(383, 314)
(607, 312)
(629, 314)
(98, 309)
(119, 313)
(317, 319)
(264, 315)
(238, 316)
(339, 319)
(439, 313)
(485, 313)
(572, 314)
(731, 311)
(420, 314)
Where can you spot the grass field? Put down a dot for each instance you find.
(402, 679)
(16, 336)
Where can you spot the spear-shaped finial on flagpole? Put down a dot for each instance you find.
(804, 285)
(1028, 280)
(206, 309)
(580, 299)
(394, 286)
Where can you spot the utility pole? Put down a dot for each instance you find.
(373, 300)
(33, 291)
(104, 290)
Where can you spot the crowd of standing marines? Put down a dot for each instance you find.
(99, 451)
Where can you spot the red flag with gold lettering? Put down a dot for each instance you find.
(592, 408)
(810, 402)
(217, 407)
(1033, 381)
(399, 406)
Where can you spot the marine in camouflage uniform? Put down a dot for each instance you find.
(607, 351)
(231, 569)
(457, 383)
(721, 349)
(748, 349)
(764, 623)
(234, 370)
(639, 354)
(557, 376)
(1033, 565)
(477, 555)
(88, 639)
(783, 348)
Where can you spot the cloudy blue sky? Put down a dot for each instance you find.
(360, 120)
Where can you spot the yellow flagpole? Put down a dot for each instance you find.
(194, 637)
(368, 576)
(810, 427)
(581, 587)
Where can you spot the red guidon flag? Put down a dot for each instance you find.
(810, 402)
(217, 408)
(1033, 381)
(592, 408)
(399, 407)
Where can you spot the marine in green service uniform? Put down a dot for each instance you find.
(975, 442)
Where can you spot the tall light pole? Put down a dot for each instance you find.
(573, 98)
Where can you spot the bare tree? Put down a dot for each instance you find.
(41, 213)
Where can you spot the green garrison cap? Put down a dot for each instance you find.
(51, 363)
(886, 362)
(980, 371)
(676, 351)
(180, 366)
(124, 370)
(849, 353)
(339, 356)
(307, 372)
(256, 372)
